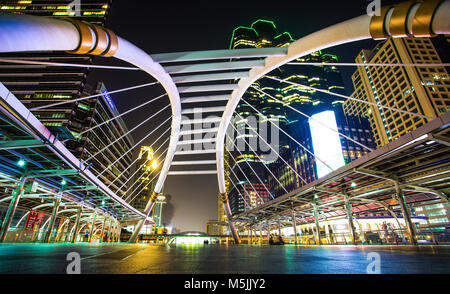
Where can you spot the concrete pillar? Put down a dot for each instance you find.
(351, 225)
(226, 206)
(406, 214)
(49, 235)
(91, 233)
(250, 235)
(316, 218)
(76, 226)
(16, 195)
(294, 225)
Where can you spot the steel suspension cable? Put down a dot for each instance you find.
(146, 171)
(254, 152)
(143, 188)
(298, 143)
(94, 96)
(148, 159)
(122, 114)
(127, 133)
(248, 180)
(249, 165)
(309, 117)
(304, 181)
(31, 62)
(351, 98)
(240, 194)
(137, 187)
(137, 158)
(131, 164)
(137, 144)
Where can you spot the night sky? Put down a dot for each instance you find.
(167, 26)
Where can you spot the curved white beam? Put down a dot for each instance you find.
(25, 33)
(346, 32)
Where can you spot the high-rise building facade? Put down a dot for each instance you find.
(213, 228)
(41, 85)
(420, 90)
(294, 98)
(328, 150)
(144, 180)
(95, 135)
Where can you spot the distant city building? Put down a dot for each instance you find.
(103, 146)
(158, 210)
(249, 195)
(331, 149)
(213, 228)
(143, 184)
(263, 33)
(40, 85)
(437, 214)
(421, 90)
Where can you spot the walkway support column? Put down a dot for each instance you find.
(294, 225)
(260, 234)
(226, 206)
(316, 219)
(148, 209)
(348, 208)
(119, 233)
(76, 226)
(16, 195)
(92, 227)
(406, 214)
(108, 233)
(103, 230)
(49, 235)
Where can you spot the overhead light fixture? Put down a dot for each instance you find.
(353, 185)
(63, 182)
(21, 162)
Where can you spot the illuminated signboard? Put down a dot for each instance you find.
(109, 99)
(326, 143)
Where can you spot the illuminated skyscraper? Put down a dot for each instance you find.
(331, 150)
(263, 33)
(103, 146)
(421, 90)
(40, 85)
(145, 178)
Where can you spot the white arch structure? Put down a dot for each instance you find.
(406, 19)
(28, 33)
